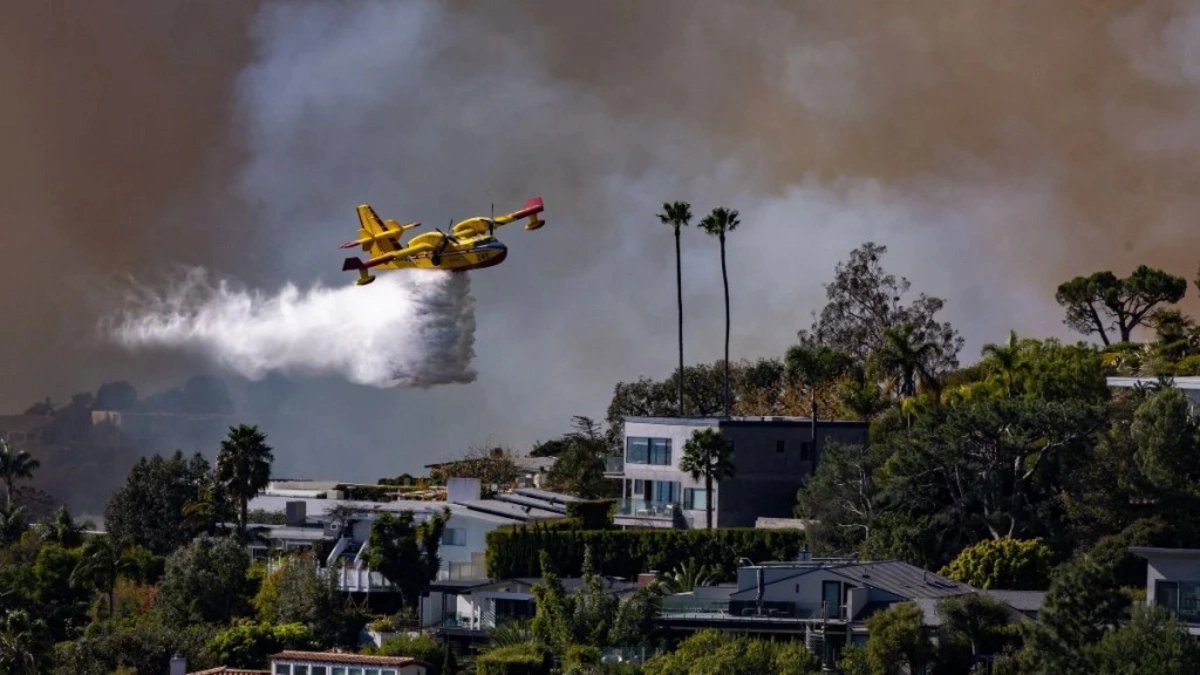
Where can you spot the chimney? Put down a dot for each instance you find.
(462, 490)
(646, 578)
(295, 514)
(178, 664)
(805, 554)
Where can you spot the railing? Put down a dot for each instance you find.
(614, 465)
(640, 508)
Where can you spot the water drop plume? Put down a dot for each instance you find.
(403, 330)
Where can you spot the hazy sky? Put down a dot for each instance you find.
(996, 149)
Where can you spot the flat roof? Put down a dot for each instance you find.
(1156, 552)
(738, 421)
(1189, 383)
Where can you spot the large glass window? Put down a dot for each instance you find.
(665, 492)
(283, 669)
(695, 499)
(1182, 598)
(655, 451)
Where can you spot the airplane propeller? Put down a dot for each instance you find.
(492, 222)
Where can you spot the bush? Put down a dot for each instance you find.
(1008, 564)
(626, 553)
(512, 660)
(581, 659)
(594, 514)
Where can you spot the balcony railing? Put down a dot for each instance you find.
(640, 508)
(614, 465)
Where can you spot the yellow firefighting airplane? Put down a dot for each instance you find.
(471, 244)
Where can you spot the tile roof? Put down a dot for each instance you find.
(222, 670)
(348, 659)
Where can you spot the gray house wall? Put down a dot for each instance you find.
(768, 474)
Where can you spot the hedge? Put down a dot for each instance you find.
(626, 553)
(512, 660)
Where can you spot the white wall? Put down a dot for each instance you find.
(1169, 569)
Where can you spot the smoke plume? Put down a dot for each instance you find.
(996, 148)
(402, 330)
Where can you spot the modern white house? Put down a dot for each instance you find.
(1173, 582)
(473, 608)
(772, 457)
(318, 663)
(342, 528)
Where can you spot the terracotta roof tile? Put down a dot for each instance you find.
(349, 659)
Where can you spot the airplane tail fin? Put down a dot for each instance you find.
(374, 235)
(531, 210)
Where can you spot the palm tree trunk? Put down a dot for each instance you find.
(725, 279)
(8, 493)
(812, 399)
(245, 516)
(679, 301)
(708, 498)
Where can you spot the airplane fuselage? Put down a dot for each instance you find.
(459, 258)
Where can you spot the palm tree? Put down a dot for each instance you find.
(709, 454)
(678, 215)
(63, 529)
(719, 222)
(22, 647)
(15, 465)
(817, 366)
(1007, 359)
(100, 565)
(244, 467)
(907, 359)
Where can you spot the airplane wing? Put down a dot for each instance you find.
(376, 236)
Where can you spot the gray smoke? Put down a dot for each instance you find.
(411, 330)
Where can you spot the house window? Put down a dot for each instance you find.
(779, 445)
(663, 491)
(337, 670)
(454, 536)
(513, 609)
(1181, 598)
(695, 499)
(283, 669)
(299, 670)
(318, 670)
(656, 451)
(806, 450)
(831, 598)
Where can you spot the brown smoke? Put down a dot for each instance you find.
(997, 147)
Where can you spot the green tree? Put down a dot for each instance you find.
(1006, 360)
(244, 467)
(248, 644)
(907, 359)
(843, 496)
(159, 486)
(1152, 643)
(23, 647)
(15, 465)
(636, 624)
(406, 552)
(1101, 302)
(205, 581)
(579, 469)
(593, 610)
(864, 301)
(719, 223)
(1005, 563)
(551, 626)
(297, 593)
(898, 639)
(815, 367)
(678, 215)
(63, 529)
(100, 566)
(708, 454)
(972, 626)
(1168, 440)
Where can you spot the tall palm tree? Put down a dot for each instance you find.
(709, 454)
(678, 215)
(1007, 359)
(817, 367)
(904, 356)
(100, 565)
(63, 529)
(15, 465)
(244, 467)
(720, 222)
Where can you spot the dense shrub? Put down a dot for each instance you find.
(626, 553)
(521, 659)
(1010, 564)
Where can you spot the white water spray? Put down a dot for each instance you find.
(403, 330)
